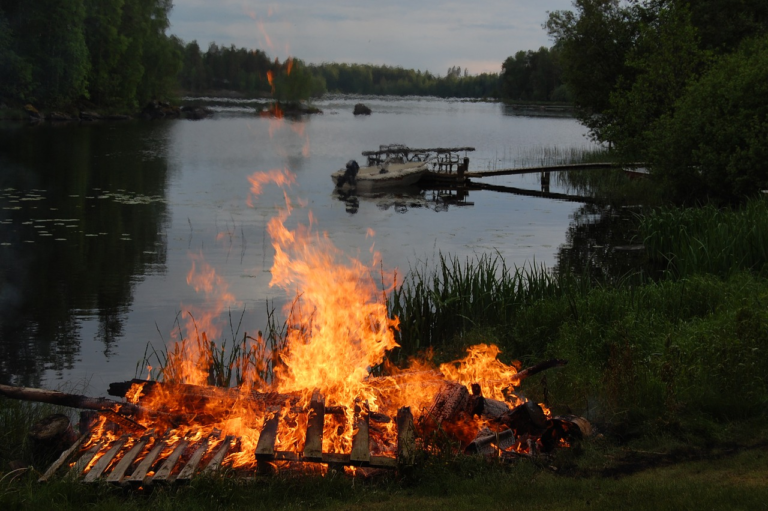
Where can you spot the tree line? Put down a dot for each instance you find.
(527, 76)
(115, 53)
(682, 85)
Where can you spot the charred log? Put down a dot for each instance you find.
(564, 431)
(525, 419)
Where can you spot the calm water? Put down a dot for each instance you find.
(99, 223)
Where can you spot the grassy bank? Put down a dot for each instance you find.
(718, 479)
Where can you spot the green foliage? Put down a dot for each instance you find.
(715, 143)
(396, 81)
(115, 52)
(665, 58)
(593, 43)
(12, 65)
(720, 242)
(49, 36)
(533, 76)
(226, 68)
(293, 82)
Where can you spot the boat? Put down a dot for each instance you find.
(387, 175)
(446, 164)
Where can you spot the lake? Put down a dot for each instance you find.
(100, 223)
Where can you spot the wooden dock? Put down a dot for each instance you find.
(550, 168)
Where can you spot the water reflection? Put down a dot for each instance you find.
(82, 219)
(600, 242)
(407, 198)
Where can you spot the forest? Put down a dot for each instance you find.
(114, 53)
(682, 86)
(118, 54)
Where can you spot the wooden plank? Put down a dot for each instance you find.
(81, 464)
(383, 462)
(141, 471)
(116, 476)
(215, 463)
(287, 456)
(313, 446)
(189, 469)
(265, 447)
(331, 457)
(62, 459)
(103, 462)
(406, 436)
(361, 451)
(164, 472)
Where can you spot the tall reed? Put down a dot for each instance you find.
(709, 240)
(437, 304)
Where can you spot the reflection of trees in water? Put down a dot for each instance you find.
(85, 228)
(591, 242)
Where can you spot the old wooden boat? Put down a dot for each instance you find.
(387, 175)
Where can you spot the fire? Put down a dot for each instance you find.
(338, 331)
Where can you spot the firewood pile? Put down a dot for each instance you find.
(163, 432)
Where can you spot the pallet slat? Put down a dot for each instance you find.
(164, 472)
(215, 463)
(406, 436)
(62, 459)
(189, 469)
(313, 446)
(103, 462)
(141, 471)
(265, 447)
(361, 451)
(82, 463)
(116, 476)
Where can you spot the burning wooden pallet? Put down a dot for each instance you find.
(144, 458)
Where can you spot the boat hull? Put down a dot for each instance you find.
(371, 179)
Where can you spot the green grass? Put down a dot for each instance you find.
(725, 478)
(708, 240)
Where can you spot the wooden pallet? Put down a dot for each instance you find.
(137, 463)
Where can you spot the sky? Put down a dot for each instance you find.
(428, 35)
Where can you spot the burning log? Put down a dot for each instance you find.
(488, 443)
(54, 397)
(200, 395)
(525, 419)
(564, 430)
(115, 411)
(541, 366)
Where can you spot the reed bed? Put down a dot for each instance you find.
(455, 297)
(544, 156)
(708, 240)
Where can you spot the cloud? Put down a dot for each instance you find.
(430, 34)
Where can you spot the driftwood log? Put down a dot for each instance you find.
(52, 435)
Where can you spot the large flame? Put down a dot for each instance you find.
(337, 331)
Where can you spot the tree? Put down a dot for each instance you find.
(665, 58)
(16, 72)
(714, 144)
(49, 36)
(594, 42)
(106, 47)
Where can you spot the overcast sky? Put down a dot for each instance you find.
(415, 34)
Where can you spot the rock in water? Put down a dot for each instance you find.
(361, 109)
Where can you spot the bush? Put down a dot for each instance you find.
(715, 143)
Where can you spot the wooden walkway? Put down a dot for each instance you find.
(551, 168)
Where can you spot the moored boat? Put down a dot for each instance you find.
(386, 176)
